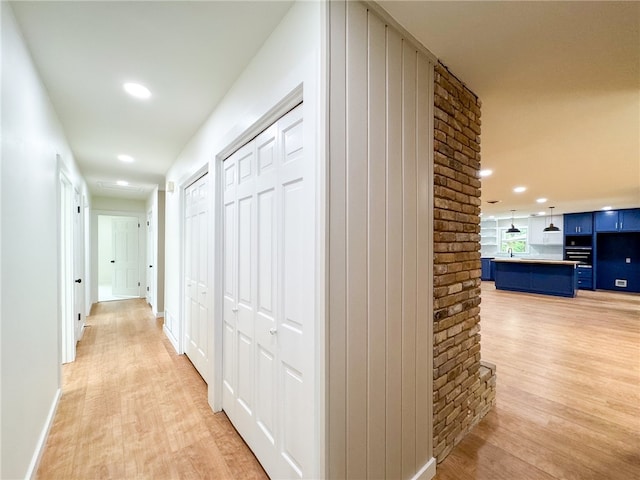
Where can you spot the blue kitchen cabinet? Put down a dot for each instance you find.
(578, 223)
(618, 262)
(487, 268)
(585, 276)
(618, 221)
(547, 277)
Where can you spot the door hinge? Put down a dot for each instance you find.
(138, 283)
(79, 317)
(147, 224)
(147, 289)
(138, 225)
(78, 208)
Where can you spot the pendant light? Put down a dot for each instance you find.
(512, 229)
(551, 227)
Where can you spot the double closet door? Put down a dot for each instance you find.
(268, 307)
(197, 319)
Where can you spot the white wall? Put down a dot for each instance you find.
(31, 138)
(291, 56)
(117, 204)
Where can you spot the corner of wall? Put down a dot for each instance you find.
(463, 387)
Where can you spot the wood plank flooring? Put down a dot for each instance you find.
(568, 400)
(568, 389)
(133, 409)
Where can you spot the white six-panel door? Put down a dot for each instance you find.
(126, 275)
(268, 309)
(197, 322)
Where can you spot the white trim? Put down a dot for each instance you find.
(42, 440)
(427, 472)
(172, 339)
(384, 15)
(141, 215)
(159, 314)
(275, 113)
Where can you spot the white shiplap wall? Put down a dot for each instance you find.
(380, 249)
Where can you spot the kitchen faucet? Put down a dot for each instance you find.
(510, 251)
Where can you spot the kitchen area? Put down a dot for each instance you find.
(560, 254)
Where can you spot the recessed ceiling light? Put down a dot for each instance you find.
(541, 200)
(125, 158)
(122, 183)
(608, 207)
(541, 213)
(519, 189)
(137, 90)
(485, 173)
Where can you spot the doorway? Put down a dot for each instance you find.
(118, 257)
(197, 319)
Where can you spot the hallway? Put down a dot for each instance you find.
(132, 408)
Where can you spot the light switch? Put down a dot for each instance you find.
(628, 260)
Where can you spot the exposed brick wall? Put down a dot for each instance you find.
(463, 389)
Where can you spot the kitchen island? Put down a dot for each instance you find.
(547, 277)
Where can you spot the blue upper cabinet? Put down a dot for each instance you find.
(618, 221)
(578, 223)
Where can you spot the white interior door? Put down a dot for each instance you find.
(268, 308)
(126, 277)
(67, 285)
(151, 279)
(196, 241)
(78, 265)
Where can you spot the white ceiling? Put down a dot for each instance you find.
(560, 89)
(559, 83)
(187, 53)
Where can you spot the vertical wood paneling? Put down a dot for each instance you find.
(357, 274)
(377, 249)
(380, 220)
(394, 255)
(336, 364)
(424, 326)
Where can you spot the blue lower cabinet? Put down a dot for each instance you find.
(585, 276)
(487, 268)
(547, 278)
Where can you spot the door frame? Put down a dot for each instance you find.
(142, 248)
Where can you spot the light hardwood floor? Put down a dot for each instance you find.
(568, 400)
(133, 409)
(568, 389)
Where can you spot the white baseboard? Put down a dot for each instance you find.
(42, 441)
(172, 339)
(159, 314)
(427, 472)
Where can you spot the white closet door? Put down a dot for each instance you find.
(196, 241)
(268, 314)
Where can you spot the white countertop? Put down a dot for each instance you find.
(536, 260)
